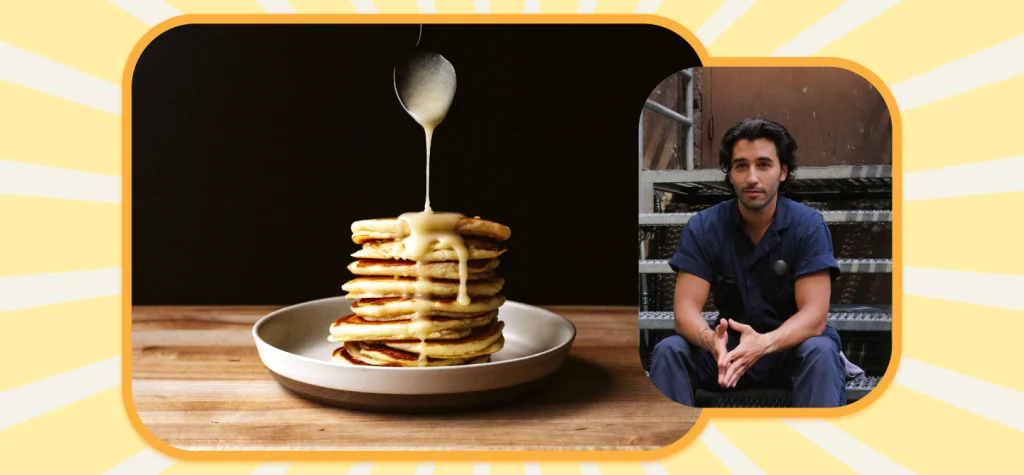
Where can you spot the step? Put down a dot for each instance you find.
(753, 398)
(831, 216)
(804, 173)
(846, 266)
(843, 321)
(860, 387)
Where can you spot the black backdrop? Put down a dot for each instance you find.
(254, 147)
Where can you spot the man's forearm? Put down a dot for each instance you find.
(690, 324)
(690, 296)
(801, 326)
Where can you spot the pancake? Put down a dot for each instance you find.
(355, 328)
(342, 355)
(400, 308)
(355, 355)
(394, 228)
(383, 286)
(483, 340)
(475, 270)
(384, 355)
(406, 309)
(387, 249)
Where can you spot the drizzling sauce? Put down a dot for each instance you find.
(426, 91)
(426, 88)
(426, 229)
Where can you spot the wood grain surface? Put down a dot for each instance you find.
(198, 384)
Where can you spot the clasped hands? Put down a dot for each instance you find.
(733, 364)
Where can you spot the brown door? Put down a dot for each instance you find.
(836, 116)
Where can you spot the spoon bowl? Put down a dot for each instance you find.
(425, 85)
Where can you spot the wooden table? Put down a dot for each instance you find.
(198, 384)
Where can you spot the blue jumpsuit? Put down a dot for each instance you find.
(751, 285)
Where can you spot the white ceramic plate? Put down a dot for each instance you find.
(292, 343)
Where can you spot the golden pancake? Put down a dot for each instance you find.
(410, 306)
(475, 270)
(383, 286)
(389, 249)
(380, 354)
(384, 309)
(393, 228)
(341, 355)
(355, 328)
(355, 353)
(375, 354)
(483, 340)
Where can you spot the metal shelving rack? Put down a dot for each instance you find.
(648, 203)
(812, 185)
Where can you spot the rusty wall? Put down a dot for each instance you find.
(837, 117)
(698, 123)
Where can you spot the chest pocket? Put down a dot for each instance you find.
(726, 292)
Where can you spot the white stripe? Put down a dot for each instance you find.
(27, 179)
(40, 397)
(482, 6)
(978, 288)
(272, 468)
(837, 23)
(648, 6)
(847, 449)
(276, 6)
(45, 75)
(971, 179)
(149, 11)
(426, 6)
(146, 462)
(586, 6)
(983, 398)
(532, 468)
(531, 6)
(733, 459)
(722, 19)
(590, 468)
(364, 6)
(361, 468)
(988, 66)
(35, 290)
(424, 468)
(482, 468)
(653, 468)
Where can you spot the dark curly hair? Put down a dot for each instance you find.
(756, 128)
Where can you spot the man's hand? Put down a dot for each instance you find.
(740, 359)
(718, 347)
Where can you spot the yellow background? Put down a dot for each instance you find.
(954, 69)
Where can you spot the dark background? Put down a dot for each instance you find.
(254, 148)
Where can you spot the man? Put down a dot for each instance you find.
(770, 264)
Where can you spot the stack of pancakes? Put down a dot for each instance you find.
(407, 312)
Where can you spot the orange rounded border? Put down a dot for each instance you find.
(491, 455)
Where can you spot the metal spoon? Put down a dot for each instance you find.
(425, 85)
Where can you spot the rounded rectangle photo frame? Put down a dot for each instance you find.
(705, 415)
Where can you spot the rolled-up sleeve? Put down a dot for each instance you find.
(691, 256)
(816, 252)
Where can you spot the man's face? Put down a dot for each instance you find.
(755, 173)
